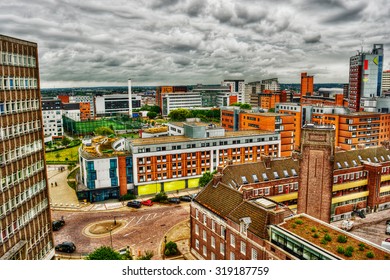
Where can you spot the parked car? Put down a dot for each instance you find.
(56, 225)
(134, 204)
(185, 198)
(66, 246)
(175, 200)
(387, 239)
(388, 227)
(147, 202)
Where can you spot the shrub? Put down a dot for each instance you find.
(128, 196)
(370, 255)
(323, 241)
(170, 248)
(327, 237)
(361, 246)
(340, 250)
(160, 197)
(342, 239)
(298, 222)
(315, 235)
(313, 229)
(348, 253)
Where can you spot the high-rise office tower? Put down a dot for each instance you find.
(25, 220)
(365, 77)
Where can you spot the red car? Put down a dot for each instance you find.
(147, 202)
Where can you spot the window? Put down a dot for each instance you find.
(222, 248)
(276, 175)
(255, 179)
(212, 256)
(232, 256)
(243, 248)
(265, 178)
(244, 180)
(232, 240)
(280, 189)
(204, 235)
(294, 172)
(254, 254)
(285, 173)
(213, 241)
(212, 225)
(196, 229)
(204, 218)
(223, 232)
(197, 214)
(197, 244)
(204, 251)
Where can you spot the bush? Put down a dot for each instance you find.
(298, 222)
(313, 229)
(170, 249)
(340, 250)
(160, 197)
(315, 235)
(342, 239)
(348, 253)
(128, 196)
(327, 237)
(370, 255)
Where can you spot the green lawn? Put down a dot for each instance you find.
(71, 154)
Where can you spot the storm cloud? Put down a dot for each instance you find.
(175, 42)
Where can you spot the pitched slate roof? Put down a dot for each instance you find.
(284, 168)
(346, 158)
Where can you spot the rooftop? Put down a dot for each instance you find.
(332, 239)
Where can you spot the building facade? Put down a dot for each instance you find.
(365, 78)
(307, 85)
(25, 220)
(52, 119)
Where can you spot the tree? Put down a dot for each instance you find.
(245, 106)
(148, 255)
(151, 115)
(160, 197)
(65, 141)
(206, 178)
(170, 249)
(103, 130)
(180, 114)
(104, 253)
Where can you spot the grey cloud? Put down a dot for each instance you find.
(196, 7)
(312, 39)
(347, 14)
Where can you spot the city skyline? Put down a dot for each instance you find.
(186, 42)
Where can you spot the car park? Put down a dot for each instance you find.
(175, 200)
(67, 247)
(134, 204)
(185, 198)
(147, 202)
(58, 224)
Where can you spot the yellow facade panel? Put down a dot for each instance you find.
(349, 197)
(350, 185)
(174, 185)
(193, 183)
(285, 197)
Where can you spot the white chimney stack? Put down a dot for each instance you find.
(130, 99)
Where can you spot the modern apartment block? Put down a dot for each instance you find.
(386, 81)
(176, 100)
(115, 103)
(25, 220)
(239, 120)
(365, 78)
(238, 87)
(168, 163)
(52, 111)
(299, 114)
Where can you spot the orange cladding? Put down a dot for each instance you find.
(122, 175)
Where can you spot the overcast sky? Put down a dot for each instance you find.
(173, 42)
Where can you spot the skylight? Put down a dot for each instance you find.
(354, 163)
(244, 180)
(276, 175)
(294, 172)
(376, 159)
(339, 165)
(346, 164)
(255, 179)
(265, 178)
(285, 173)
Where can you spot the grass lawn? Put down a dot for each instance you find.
(71, 154)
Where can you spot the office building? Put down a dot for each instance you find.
(365, 78)
(25, 219)
(385, 81)
(111, 104)
(238, 87)
(307, 85)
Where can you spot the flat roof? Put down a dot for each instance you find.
(182, 138)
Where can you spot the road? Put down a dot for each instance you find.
(142, 229)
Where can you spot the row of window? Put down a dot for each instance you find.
(21, 175)
(22, 151)
(18, 106)
(14, 59)
(207, 144)
(338, 179)
(11, 83)
(19, 129)
(22, 220)
(22, 197)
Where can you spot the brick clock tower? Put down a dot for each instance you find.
(316, 172)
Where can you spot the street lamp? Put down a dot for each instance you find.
(110, 230)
